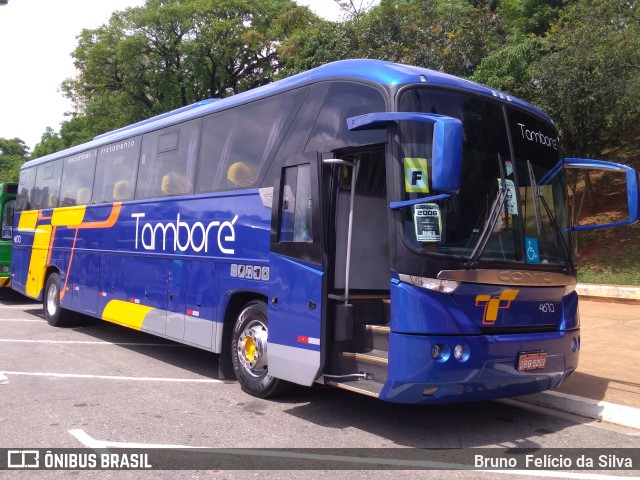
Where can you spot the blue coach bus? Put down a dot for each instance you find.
(382, 228)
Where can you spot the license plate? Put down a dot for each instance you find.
(531, 361)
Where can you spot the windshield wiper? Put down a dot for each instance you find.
(558, 232)
(537, 199)
(494, 215)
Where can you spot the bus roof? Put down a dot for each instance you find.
(381, 72)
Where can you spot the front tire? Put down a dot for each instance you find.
(56, 316)
(249, 353)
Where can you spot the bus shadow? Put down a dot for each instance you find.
(192, 359)
(463, 425)
(11, 297)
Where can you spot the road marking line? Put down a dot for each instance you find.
(112, 377)
(21, 320)
(3, 379)
(88, 342)
(91, 442)
(36, 305)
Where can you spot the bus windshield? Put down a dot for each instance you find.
(508, 208)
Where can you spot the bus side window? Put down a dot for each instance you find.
(238, 143)
(27, 181)
(77, 179)
(168, 161)
(47, 185)
(116, 170)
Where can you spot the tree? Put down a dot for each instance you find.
(588, 78)
(448, 35)
(171, 53)
(355, 8)
(13, 153)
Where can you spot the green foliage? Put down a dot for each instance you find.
(448, 35)
(510, 69)
(171, 53)
(588, 79)
(13, 153)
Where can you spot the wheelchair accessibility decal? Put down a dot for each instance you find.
(531, 248)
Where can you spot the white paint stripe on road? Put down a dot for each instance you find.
(36, 305)
(111, 377)
(21, 320)
(91, 442)
(91, 342)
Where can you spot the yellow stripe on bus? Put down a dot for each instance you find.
(5, 282)
(129, 314)
(28, 220)
(68, 216)
(38, 262)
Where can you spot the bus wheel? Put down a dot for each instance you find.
(55, 315)
(249, 353)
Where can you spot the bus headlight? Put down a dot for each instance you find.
(435, 284)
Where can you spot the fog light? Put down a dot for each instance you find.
(461, 352)
(440, 352)
(5, 269)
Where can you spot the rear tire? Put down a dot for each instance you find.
(56, 316)
(249, 353)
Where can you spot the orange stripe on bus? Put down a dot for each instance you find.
(109, 222)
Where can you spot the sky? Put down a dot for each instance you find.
(36, 41)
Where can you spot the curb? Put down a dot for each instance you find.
(609, 292)
(585, 407)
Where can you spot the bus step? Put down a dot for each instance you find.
(365, 387)
(373, 363)
(377, 337)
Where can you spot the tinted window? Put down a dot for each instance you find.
(45, 192)
(168, 161)
(116, 171)
(27, 181)
(77, 179)
(7, 218)
(346, 100)
(237, 143)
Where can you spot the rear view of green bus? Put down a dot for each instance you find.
(7, 205)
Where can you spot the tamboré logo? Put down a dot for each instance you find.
(492, 305)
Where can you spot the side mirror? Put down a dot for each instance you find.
(446, 153)
(630, 177)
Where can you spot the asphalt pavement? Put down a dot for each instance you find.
(606, 385)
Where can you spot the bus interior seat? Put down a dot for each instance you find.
(121, 190)
(66, 200)
(241, 175)
(83, 197)
(174, 183)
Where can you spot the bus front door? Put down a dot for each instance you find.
(297, 280)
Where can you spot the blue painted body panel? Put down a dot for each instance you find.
(173, 255)
(293, 323)
(491, 368)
